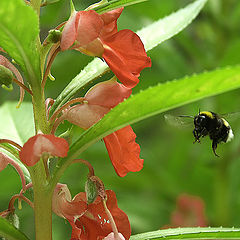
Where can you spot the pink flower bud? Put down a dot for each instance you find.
(99, 100)
(110, 236)
(107, 94)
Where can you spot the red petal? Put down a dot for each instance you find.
(69, 32)
(89, 27)
(37, 145)
(125, 54)
(64, 206)
(110, 22)
(107, 94)
(76, 232)
(124, 151)
(111, 16)
(98, 226)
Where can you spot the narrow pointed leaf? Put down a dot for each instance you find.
(157, 99)
(113, 4)
(190, 233)
(151, 35)
(169, 26)
(8, 231)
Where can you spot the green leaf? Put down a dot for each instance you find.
(113, 4)
(8, 231)
(191, 233)
(151, 35)
(154, 100)
(19, 30)
(16, 125)
(169, 26)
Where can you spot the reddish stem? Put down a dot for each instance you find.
(29, 185)
(22, 86)
(18, 196)
(56, 113)
(20, 172)
(12, 143)
(49, 101)
(49, 66)
(57, 123)
(88, 164)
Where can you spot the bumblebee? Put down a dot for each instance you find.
(210, 123)
(206, 123)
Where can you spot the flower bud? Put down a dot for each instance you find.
(6, 76)
(54, 36)
(91, 190)
(12, 217)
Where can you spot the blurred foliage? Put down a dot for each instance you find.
(173, 165)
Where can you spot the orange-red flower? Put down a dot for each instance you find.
(42, 143)
(97, 35)
(89, 221)
(190, 212)
(122, 148)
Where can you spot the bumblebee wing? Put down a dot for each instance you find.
(232, 116)
(182, 121)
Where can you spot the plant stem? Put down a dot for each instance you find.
(42, 202)
(42, 192)
(36, 4)
(39, 109)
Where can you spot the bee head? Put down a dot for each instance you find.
(200, 121)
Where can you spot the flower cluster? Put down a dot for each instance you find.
(123, 51)
(89, 221)
(122, 148)
(95, 35)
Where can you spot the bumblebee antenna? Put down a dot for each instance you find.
(199, 111)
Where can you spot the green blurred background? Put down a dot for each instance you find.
(173, 165)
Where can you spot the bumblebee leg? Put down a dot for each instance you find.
(196, 136)
(214, 147)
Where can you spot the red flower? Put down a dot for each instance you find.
(122, 148)
(41, 143)
(97, 35)
(89, 221)
(190, 212)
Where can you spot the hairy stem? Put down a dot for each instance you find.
(42, 202)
